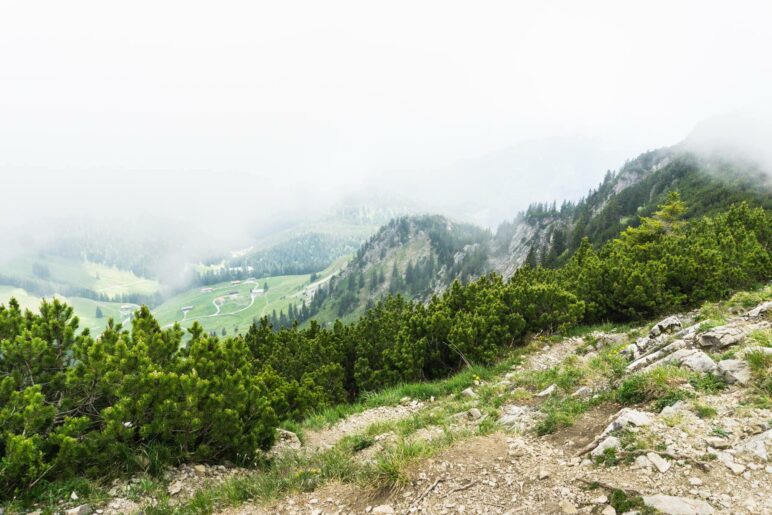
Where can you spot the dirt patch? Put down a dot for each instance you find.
(585, 429)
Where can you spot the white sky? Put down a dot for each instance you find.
(299, 97)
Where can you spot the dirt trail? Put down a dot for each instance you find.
(328, 437)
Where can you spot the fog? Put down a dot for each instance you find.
(216, 122)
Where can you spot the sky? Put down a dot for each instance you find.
(224, 114)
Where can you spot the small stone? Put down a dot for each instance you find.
(643, 462)
(469, 393)
(175, 488)
(383, 509)
(316, 512)
(200, 470)
(662, 464)
(405, 400)
(543, 474)
(474, 413)
(567, 507)
(547, 391)
(83, 509)
(600, 500)
(608, 510)
(717, 442)
(695, 481)
(582, 392)
(728, 460)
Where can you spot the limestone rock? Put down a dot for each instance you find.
(671, 505)
(582, 392)
(285, 441)
(693, 359)
(469, 393)
(626, 417)
(608, 510)
(721, 337)
(547, 391)
(383, 509)
(734, 371)
(762, 309)
(83, 509)
(757, 445)
(668, 325)
(610, 442)
(728, 460)
(662, 464)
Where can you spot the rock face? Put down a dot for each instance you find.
(734, 371)
(668, 325)
(671, 505)
(721, 337)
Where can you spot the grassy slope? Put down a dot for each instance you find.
(83, 274)
(84, 308)
(237, 312)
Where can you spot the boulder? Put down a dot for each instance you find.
(693, 359)
(668, 325)
(671, 505)
(734, 371)
(721, 337)
(610, 442)
(762, 309)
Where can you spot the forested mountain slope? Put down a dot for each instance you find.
(419, 255)
(549, 234)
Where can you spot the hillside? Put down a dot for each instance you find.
(668, 417)
(87, 414)
(707, 182)
(415, 256)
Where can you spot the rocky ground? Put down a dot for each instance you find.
(697, 443)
